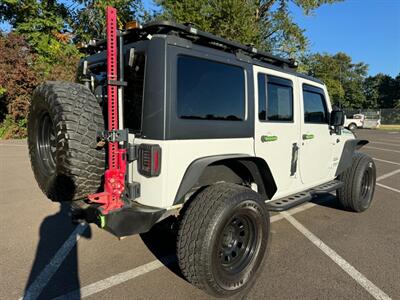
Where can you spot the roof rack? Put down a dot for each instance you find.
(189, 31)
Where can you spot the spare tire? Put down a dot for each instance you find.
(63, 121)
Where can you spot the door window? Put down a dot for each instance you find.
(275, 96)
(314, 105)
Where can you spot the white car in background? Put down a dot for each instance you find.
(357, 121)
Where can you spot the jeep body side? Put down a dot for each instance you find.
(206, 131)
(184, 141)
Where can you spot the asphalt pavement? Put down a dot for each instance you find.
(317, 251)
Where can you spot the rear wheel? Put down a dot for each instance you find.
(222, 239)
(63, 122)
(359, 183)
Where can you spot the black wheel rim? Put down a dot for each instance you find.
(238, 244)
(366, 186)
(46, 143)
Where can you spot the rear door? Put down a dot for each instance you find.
(277, 126)
(317, 142)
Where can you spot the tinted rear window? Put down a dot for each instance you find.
(209, 90)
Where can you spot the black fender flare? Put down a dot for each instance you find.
(257, 166)
(346, 158)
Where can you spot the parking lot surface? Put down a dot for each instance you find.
(317, 251)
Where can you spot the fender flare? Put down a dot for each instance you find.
(346, 158)
(255, 165)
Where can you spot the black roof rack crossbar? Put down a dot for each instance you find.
(189, 29)
(191, 32)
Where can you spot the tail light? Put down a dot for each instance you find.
(149, 163)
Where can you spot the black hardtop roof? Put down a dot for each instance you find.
(190, 32)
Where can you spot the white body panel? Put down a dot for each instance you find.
(318, 158)
(176, 157)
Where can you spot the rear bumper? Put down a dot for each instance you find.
(131, 220)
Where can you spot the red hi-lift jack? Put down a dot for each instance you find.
(114, 177)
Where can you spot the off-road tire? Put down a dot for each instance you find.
(201, 238)
(63, 121)
(359, 183)
(352, 126)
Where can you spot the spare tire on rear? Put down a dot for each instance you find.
(63, 121)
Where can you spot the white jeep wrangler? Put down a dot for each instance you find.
(214, 132)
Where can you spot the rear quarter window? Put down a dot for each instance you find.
(209, 90)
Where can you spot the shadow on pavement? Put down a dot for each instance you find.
(161, 241)
(55, 230)
(328, 200)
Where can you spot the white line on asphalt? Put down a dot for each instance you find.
(44, 277)
(349, 269)
(116, 279)
(59, 258)
(390, 144)
(141, 270)
(388, 187)
(382, 149)
(384, 176)
(386, 161)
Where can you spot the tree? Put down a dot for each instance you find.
(383, 90)
(42, 23)
(17, 81)
(267, 24)
(343, 78)
(88, 20)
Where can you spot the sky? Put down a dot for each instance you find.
(367, 30)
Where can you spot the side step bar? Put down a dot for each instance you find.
(302, 197)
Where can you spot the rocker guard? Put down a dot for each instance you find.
(132, 220)
(347, 155)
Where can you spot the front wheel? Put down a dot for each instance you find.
(359, 183)
(222, 239)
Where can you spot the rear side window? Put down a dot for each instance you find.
(134, 91)
(208, 90)
(314, 105)
(275, 99)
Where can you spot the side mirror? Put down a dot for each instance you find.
(337, 118)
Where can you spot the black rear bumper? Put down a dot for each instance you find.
(129, 220)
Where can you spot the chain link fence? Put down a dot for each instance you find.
(375, 117)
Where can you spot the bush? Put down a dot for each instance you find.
(21, 70)
(10, 129)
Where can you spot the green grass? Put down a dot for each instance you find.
(394, 127)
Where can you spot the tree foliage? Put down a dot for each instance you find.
(88, 20)
(344, 79)
(17, 80)
(382, 91)
(265, 23)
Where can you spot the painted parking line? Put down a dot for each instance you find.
(44, 277)
(371, 288)
(384, 176)
(382, 149)
(388, 187)
(116, 279)
(386, 161)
